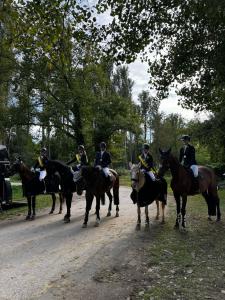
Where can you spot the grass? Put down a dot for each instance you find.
(191, 264)
(42, 201)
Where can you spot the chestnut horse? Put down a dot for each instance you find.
(145, 191)
(96, 185)
(183, 185)
(32, 187)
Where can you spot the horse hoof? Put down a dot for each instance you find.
(117, 214)
(60, 212)
(138, 226)
(51, 212)
(27, 217)
(163, 222)
(209, 218)
(218, 219)
(66, 220)
(108, 214)
(84, 225)
(157, 218)
(97, 223)
(32, 217)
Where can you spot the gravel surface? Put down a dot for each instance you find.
(47, 259)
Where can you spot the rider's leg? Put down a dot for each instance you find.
(152, 176)
(194, 169)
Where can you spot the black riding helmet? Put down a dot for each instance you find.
(43, 150)
(81, 147)
(146, 147)
(103, 145)
(185, 137)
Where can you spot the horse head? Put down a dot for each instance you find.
(137, 176)
(165, 156)
(16, 166)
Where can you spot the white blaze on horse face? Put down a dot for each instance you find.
(134, 176)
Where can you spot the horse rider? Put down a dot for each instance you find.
(40, 165)
(80, 158)
(103, 160)
(146, 161)
(187, 155)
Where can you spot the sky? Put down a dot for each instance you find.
(138, 73)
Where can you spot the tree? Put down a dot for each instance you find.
(149, 107)
(183, 42)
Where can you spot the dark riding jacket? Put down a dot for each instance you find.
(187, 156)
(146, 161)
(82, 160)
(103, 159)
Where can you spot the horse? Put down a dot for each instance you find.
(183, 185)
(96, 185)
(68, 185)
(145, 191)
(32, 187)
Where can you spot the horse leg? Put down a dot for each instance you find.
(29, 208)
(68, 197)
(53, 204)
(206, 196)
(117, 210)
(157, 206)
(146, 217)
(110, 203)
(178, 219)
(183, 210)
(61, 201)
(163, 212)
(89, 200)
(138, 226)
(33, 204)
(98, 199)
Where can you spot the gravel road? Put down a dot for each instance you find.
(47, 259)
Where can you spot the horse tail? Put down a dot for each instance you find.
(116, 186)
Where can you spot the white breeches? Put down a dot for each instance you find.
(42, 175)
(194, 169)
(106, 171)
(151, 174)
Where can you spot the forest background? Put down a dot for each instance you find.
(65, 81)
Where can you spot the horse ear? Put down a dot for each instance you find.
(130, 164)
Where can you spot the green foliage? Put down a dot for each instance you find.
(183, 42)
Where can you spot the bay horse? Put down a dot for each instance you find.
(145, 191)
(32, 187)
(68, 185)
(96, 185)
(183, 185)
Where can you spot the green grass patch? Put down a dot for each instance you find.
(191, 264)
(42, 201)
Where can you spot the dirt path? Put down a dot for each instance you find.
(47, 259)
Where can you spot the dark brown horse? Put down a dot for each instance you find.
(68, 185)
(145, 191)
(183, 185)
(96, 185)
(32, 187)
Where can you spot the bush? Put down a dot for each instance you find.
(219, 168)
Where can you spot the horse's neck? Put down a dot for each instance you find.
(175, 167)
(25, 173)
(141, 181)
